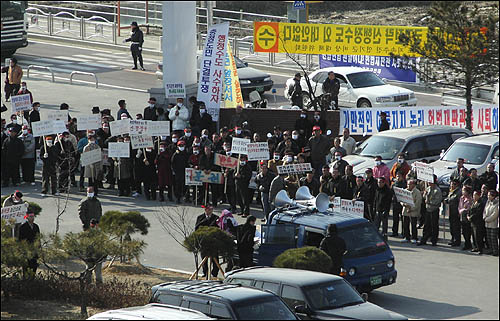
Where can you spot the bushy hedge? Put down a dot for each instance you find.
(211, 241)
(305, 258)
(131, 221)
(37, 209)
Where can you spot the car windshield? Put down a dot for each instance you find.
(364, 79)
(387, 147)
(362, 240)
(474, 154)
(267, 308)
(239, 62)
(332, 295)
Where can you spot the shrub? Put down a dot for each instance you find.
(304, 258)
(36, 208)
(129, 222)
(211, 241)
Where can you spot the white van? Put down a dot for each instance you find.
(153, 311)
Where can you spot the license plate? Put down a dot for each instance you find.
(259, 88)
(376, 280)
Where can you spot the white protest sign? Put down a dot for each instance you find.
(86, 122)
(119, 127)
(258, 151)
(138, 127)
(425, 172)
(42, 128)
(253, 183)
(158, 128)
(56, 115)
(59, 126)
(20, 103)
(143, 141)
(239, 145)
(16, 212)
(337, 201)
(349, 207)
(104, 157)
(91, 157)
(404, 195)
(119, 150)
(188, 178)
(294, 168)
(175, 90)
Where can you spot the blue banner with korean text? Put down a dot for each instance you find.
(384, 67)
(366, 121)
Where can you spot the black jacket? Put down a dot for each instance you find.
(150, 113)
(201, 220)
(313, 185)
(206, 163)
(331, 86)
(295, 89)
(490, 179)
(137, 36)
(383, 198)
(244, 236)
(304, 126)
(12, 150)
(179, 162)
(27, 233)
(337, 187)
(264, 181)
(371, 185)
(245, 176)
(476, 214)
(350, 182)
(384, 125)
(335, 247)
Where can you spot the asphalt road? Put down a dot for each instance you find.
(433, 282)
(113, 68)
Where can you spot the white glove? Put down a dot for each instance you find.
(124, 40)
(140, 48)
(139, 153)
(46, 155)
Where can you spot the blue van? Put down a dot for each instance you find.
(368, 263)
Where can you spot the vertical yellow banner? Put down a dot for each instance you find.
(232, 90)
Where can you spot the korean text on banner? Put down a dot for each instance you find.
(144, 141)
(91, 157)
(404, 196)
(225, 161)
(188, 178)
(105, 157)
(239, 145)
(20, 103)
(138, 127)
(177, 90)
(425, 172)
(294, 168)
(119, 150)
(350, 207)
(385, 67)
(119, 127)
(59, 126)
(158, 128)
(323, 39)
(361, 121)
(201, 176)
(16, 212)
(86, 122)
(42, 128)
(210, 88)
(56, 115)
(258, 151)
(232, 89)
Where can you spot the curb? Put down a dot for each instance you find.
(169, 269)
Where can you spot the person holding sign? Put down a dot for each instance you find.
(93, 171)
(433, 198)
(411, 213)
(207, 164)
(263, 181)
(12, 152)
(179, 115)
(29, 157)
(49, 153)
(123, 172)
(148, 173)
(382, 205)
(397, 209)
(242, 178)
(24, 91)
(66, 161)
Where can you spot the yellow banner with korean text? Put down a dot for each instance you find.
(306, 38)
(232, 89)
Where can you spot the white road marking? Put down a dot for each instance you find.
(71, 58)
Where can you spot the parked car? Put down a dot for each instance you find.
(250, 78)
(358, 88)
(223, 301)
(477, 151)
(313, 295)
(153, 311)
(416, 143)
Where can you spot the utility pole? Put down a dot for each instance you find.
(210, 13)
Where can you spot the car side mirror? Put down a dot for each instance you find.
(245, 63)
(302, 309)
(364, 296)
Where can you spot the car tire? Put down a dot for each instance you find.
(364, 103)
(306, 98)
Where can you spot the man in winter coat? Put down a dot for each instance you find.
(263, 181)
(335, 247)
(179, 163)
(13, 79)
(150, 111)
(163, 163)
(208, 219)
(433, 198)
(320, 146)
(242, 178)
(303, 125)
(245, 239)
(401, 166)
(12, 153)
(337, 186)
(331, 86)
(89, 208)
(490, 216)
(150, 178)
(207, 164)
(136, 41)
(311, 183)
(93, 171)
(339, 163)
(490, 177)
(361, 193)
(179, 115)
(29, 157)
(295, 91)
(381, 170)
(382, 205)
(123, 172)
(476, 220)
(49, 153)
(371, 185)
(66, 161)
(411, 213)
(347, 142)
(28, 232)
(397, 209)
(277, 184)
(452, 201)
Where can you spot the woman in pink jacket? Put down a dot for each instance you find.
(464, 206)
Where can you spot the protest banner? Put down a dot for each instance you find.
(144, 141)
(232, 89)
(138, 127)
(105, 157)
(86, 122)
(20, 103)
(239, 145)
(258, 151)
(404, 196)
(91, 157)
(425, 172)
(42, 128)
(56, 115)
(225, 161)
(119, 150)
(295, 168)
(352, 207)
(201, 176)
(16, 212)
(337, 201)
(175, 90)
(188, 178)
(119, 127)
(158, 128)
(210, 85)
(59, 126)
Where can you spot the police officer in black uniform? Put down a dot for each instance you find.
(136, 40)
(295, 91)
